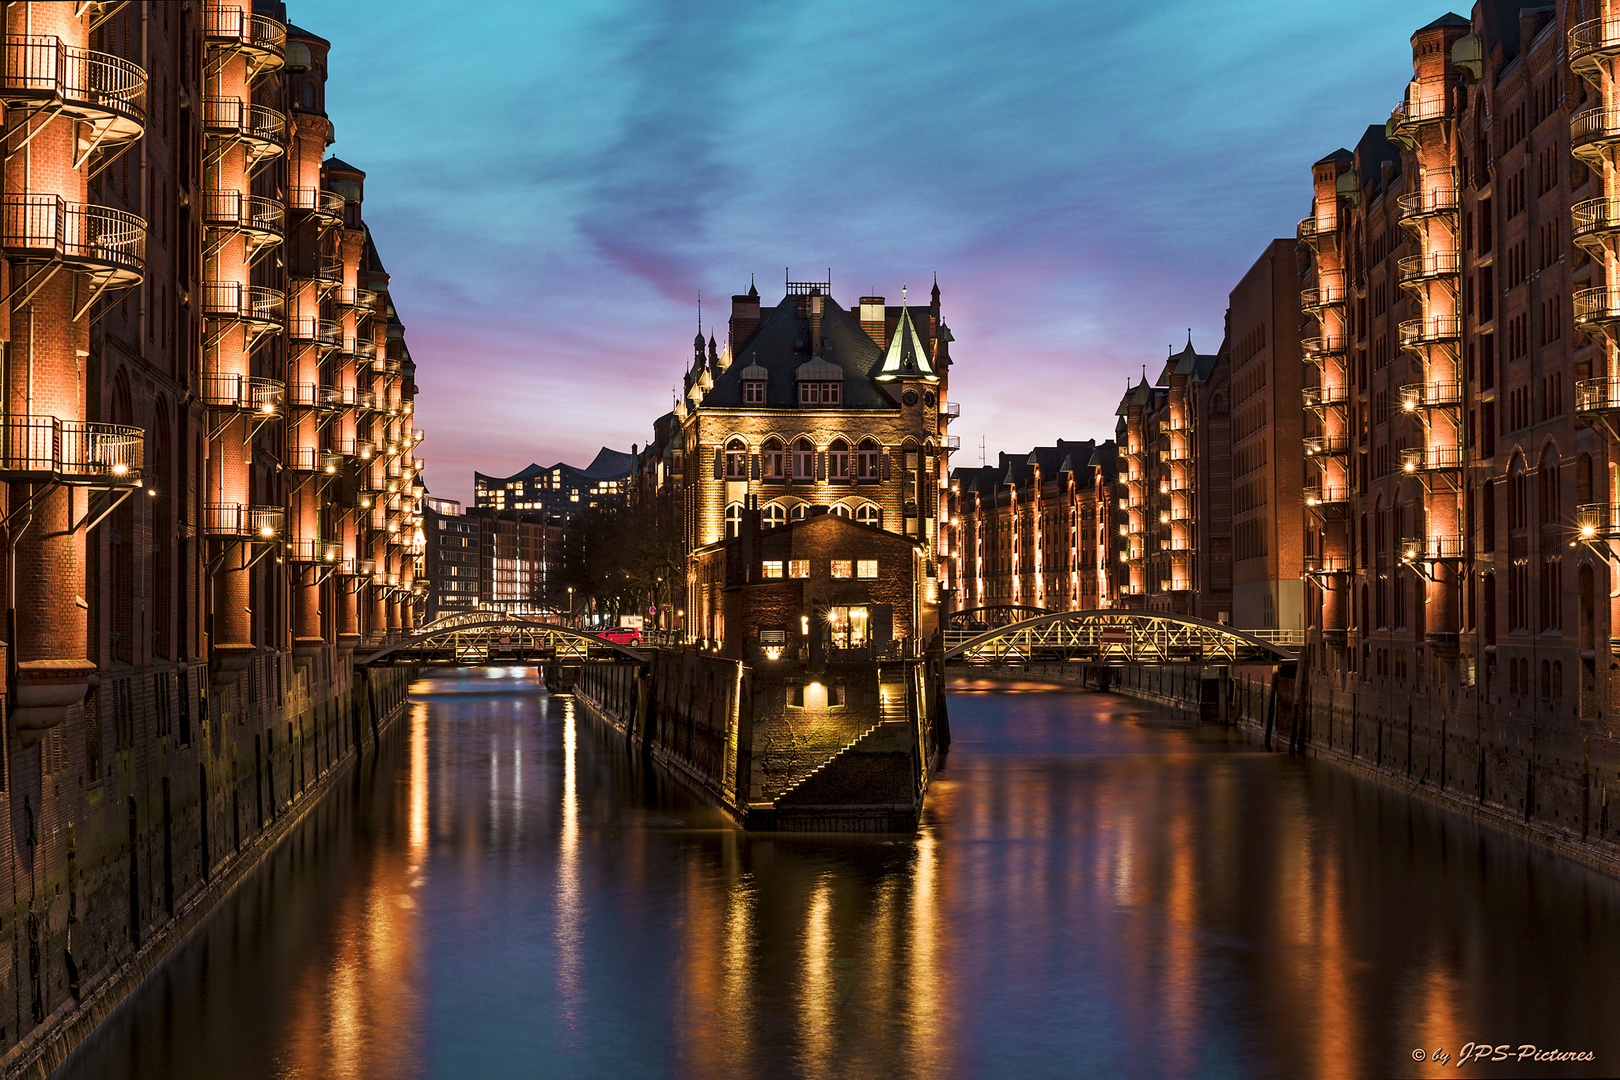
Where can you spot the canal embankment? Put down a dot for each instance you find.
(1547, 780)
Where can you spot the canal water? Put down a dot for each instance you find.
(1098, 889)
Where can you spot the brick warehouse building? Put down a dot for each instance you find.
(208, 472)
(822, 407)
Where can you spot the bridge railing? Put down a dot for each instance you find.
(1119, 638)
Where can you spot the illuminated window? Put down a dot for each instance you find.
(865, 568)
(866, 460)
(804, 460)
(842, 568)
(799, 568)
(753, 393)
(733, 521)
(773, 461)
(838, 460)
(869, 515)
(800, 512)
(736, 460)
(841, 510)
(772, 568)
(773, 515)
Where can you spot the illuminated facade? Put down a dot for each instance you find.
(1034, 531)
(208, 471)
(822, 407)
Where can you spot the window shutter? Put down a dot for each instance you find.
(719, 462)
(821, 465)
(885, 458)
(754, 469)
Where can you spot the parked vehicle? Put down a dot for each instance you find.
(622, 635)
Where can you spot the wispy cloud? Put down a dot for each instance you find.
(552, 184)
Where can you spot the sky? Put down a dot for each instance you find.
(552, 185)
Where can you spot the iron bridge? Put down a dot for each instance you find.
(1118, 637)
(481, 639)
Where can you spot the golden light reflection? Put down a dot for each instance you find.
(818, 993)
(570, 913)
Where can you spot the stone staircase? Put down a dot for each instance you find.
(892, 711)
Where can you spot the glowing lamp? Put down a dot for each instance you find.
(1410, 467)
(1588, 530)
(266, 531)
(267, 408)
(773, 652)
(120, 469)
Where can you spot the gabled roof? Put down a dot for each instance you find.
(782, 345)
(1450, 18)
(906, 358)
(1341, 154)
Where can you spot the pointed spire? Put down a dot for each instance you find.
(1189, 338)
(753, 292)
(936, 288)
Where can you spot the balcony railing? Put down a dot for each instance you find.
(1430, 330)
(311, 459)
(1592, 130)
(263, 129)
(231, 26)
(1319, 348)
(1329, 292)
(1591, 42)
(327, 270)
(85, 84)
(308, 328)
(1326, 445)
(249, 213)
(1597, 395)
(241, 521)
(309, 549)
(1421, 204)
(1433, 395)
(1432, 548)
(246, 303)
(1415, 269)
(96, 238)
(1431, 458)
(244, 393)
(355, 298)
(70, 450)
(317, 201)
(1313, 231)
(1596, 307)
(1326, 497)
(1325, 564)
(951, 410)
(1321, 397)
(1591, 220)
(1429, 110)
(1598, 521)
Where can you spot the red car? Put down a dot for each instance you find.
(622, 635)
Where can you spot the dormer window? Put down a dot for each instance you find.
(819, 393)
(753, 393)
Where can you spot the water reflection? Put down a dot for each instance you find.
(1097, 890)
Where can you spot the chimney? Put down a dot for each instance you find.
(744, 321)
(816, 300)
(871, 316)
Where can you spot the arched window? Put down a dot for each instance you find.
(842, 511)
(1557, 680)
(866, 460)
(1546, 680)
(733, 521)
(773, 460)
(774, 515)
(838, 461)
(800, 512)
(804, 460)
(160, 473)
(1547, 495)
(1518, 503)
(869, 514)
(736, 460)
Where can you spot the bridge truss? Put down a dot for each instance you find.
(476, 639)
(1114, 637)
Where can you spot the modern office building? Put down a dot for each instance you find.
(561, 490)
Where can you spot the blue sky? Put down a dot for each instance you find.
(551, 184)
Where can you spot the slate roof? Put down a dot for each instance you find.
(782, 344)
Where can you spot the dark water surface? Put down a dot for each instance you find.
(1098, 889)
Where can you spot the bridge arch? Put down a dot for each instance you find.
(479, 628)
(1115, 636)
(993, 615)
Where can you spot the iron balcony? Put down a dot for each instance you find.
(1592, 42)
(1598, 395)
(1431, 459)
(243, 393)
(326, 206)
(105, 91)
(237, 28)
(96, 239)
(1593, 221)
(1596, 307)
(1430, 330)
(261, 129)
(240, 521)
(1434, 395)
(72, 451)
(1592, 132)
(1418, 205)
(231, 300)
